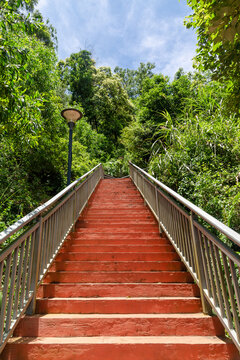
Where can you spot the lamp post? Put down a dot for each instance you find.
(72, 116)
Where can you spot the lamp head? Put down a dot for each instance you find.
(71, 115)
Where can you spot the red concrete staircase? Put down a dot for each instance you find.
(117, 290)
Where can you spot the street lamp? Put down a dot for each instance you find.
(72, 116)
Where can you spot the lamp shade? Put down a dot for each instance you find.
(71, 115)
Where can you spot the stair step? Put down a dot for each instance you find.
(115, 222)
(124, 216)
(119, 325)
(116, 241)
(115, 236)
(118, 213)
(116, 289)
(118, 348)
(74, 256)
(117, 248)
(116, 266)
(116, 277)
(119, 228)
(119, 305)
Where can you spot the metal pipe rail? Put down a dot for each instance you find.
(34, 241)
(214, 266)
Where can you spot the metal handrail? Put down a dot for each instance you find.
(214, 266)
(34, 243)
(36, 212)
(230, 233)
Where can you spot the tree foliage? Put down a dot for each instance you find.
(217, 23)
(180, 129)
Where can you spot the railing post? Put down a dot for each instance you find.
(74, 210)
(35, 267)
(199, 266)
(102, 172)
(158, 210)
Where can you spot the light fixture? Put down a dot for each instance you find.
(72, 116)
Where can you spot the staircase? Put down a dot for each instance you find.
(117, 290)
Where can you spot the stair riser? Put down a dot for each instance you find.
(117, 214)
(116, 266)
(119, 230)
(117, 248)
(124, 242)
(118, 257)
(49, 327)
(115, 222)
(144, 277)
(114, 236)
(116, 290)
(124, 227)
(122, 205)
(121, 351)
(115, 306)
(138, 226)
(128, 216)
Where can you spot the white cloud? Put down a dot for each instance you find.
(123, 33)
(152, 42)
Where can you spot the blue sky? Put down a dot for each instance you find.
(124, 32)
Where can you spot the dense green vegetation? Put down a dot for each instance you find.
(184, 131)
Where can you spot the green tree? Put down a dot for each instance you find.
(217, 23)
(113, 110)
(132, 80)
(77, 73)
(30, 128)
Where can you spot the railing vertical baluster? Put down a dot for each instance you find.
(11, 291)
(27, 270)
(158, 209)
(74, 209)
(18, 287)
(231, 296)
(217, 281)
(5, 296)
(222, 280)
(205, 264)
(35, 266)
(199, 266)
(237, 296)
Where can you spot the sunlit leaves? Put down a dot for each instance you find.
(218, 27)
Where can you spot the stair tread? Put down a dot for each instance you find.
(121, 316)
(123, 340)
(121, 298)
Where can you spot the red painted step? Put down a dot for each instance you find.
(119, 348)
(118, 248)
(72, 256)
(118, 277)
(119, 325)
(117, 241)
(115, 236)
(103, 305)
(117, 290)
(117, 266)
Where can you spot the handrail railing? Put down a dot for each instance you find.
(214, 266)
(34, 241)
